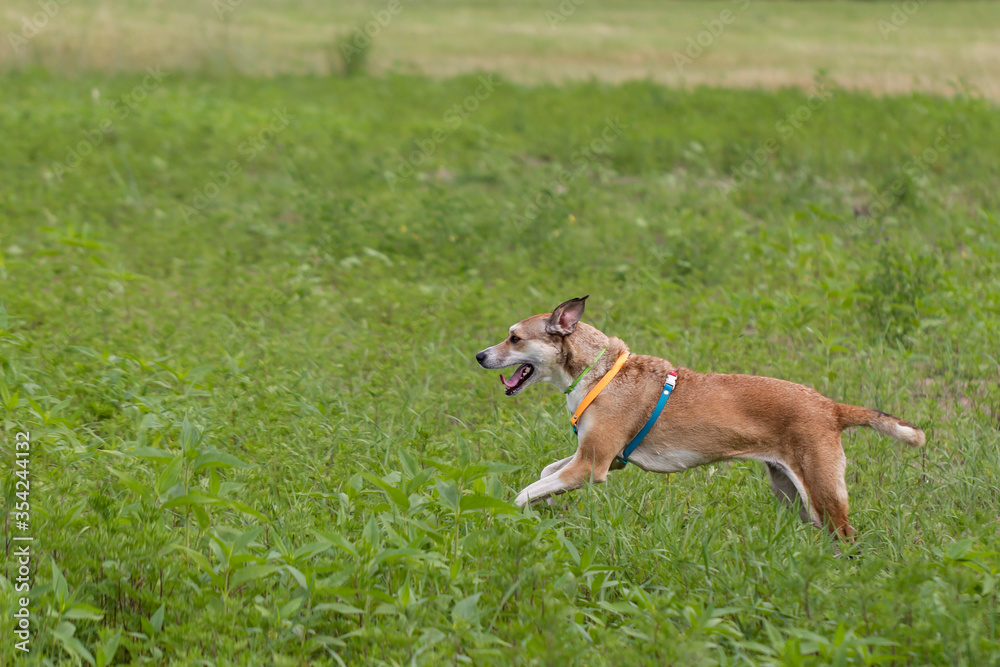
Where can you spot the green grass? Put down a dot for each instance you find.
(261, 437)
(939, 46)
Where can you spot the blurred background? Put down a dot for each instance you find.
(940, 46)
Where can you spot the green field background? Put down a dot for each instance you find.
(239, 310)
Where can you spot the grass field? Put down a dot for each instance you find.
(260, 434)
(238, 320)
(942, 46)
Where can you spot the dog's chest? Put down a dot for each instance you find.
(574, 398)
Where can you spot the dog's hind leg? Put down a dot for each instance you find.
(823, 470)
(785, 490)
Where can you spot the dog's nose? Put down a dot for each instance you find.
(480, 357)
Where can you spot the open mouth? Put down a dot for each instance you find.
(518, 379)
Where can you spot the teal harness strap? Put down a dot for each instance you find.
(668, 387)
(585, 371)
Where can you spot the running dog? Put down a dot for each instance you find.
(792, 429)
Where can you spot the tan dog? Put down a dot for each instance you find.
(792, 429)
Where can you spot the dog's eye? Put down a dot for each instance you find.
(514, 339)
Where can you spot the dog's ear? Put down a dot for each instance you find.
(563, 320)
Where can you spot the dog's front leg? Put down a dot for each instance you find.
(544, 488)
(590, 463)
(551, 469)
(574, 475)
(555, 467)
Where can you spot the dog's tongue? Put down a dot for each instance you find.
(514, 379)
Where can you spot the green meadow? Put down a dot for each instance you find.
(238, 320)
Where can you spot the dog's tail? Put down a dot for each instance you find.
(894, 427)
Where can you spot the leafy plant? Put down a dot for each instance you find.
(353, 50)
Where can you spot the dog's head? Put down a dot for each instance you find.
(535, 346)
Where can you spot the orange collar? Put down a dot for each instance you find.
(598, 388)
